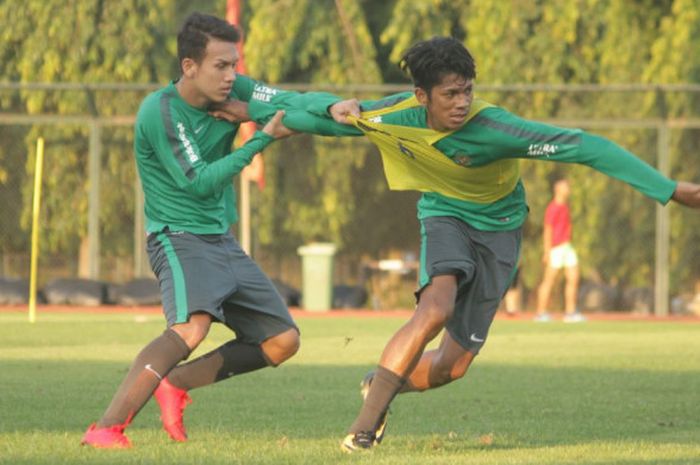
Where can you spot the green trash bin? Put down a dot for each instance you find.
(317, 276)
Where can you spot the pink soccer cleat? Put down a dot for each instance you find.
(108, 437)
(172, 401)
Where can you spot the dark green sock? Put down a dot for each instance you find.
(407, 386)
(232, 358)
(385, 385)
(150, 366)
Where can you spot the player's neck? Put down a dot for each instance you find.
(190, 94)
(433, 124)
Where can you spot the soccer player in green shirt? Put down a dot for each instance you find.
(470, 247)
(184, 159)
(471, 211)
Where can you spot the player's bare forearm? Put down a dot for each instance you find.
(234, 111)
(688, 194)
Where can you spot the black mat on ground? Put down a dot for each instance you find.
(15, 291)
(598, 297)
(290, 296)
(638, 300)
(75, 291)
(349, 297)
(140, 291)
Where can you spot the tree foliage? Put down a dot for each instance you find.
(674, 60)
(324, 189)
(85, 42)
(585, 41)
(339, 49)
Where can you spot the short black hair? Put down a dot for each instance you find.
(196, 31)
(428, 61)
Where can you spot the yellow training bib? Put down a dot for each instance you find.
(412, 163)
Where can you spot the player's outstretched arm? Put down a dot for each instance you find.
(687, 194)
(254, 91)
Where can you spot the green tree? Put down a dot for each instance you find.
(310, 196)
(86, 42)
(334, 189)
(674, 61)
(583, 41)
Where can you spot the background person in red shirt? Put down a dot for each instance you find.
(558, 253)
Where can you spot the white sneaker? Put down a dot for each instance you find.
(575, 317)
(543, 318)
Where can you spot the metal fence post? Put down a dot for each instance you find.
(94, 165)
(661, 268)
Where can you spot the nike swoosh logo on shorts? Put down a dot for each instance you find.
(474, 338)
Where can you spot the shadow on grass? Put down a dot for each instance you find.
(494, 407)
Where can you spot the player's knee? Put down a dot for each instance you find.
(195, 336)
(282, 347)
(194, 331)
(291, 343)
(432, 318)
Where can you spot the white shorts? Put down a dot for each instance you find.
(563, 256)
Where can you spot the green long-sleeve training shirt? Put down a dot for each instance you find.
(494, 134)
(184, 156)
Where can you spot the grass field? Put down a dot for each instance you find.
(595, 393)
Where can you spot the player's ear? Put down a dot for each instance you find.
(189, 67)
(421, 96)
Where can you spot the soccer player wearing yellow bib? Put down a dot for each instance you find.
(462, 153)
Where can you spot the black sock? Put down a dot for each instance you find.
(150, 366)
(385, 385)
(232, 358)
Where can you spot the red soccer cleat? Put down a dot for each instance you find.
(108, 437)
(172, 401)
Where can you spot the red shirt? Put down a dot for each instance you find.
(557, 216)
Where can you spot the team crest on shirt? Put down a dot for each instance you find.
(406, 151)
(462, 159)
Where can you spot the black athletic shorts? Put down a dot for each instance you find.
(210, 273)
(484, 263)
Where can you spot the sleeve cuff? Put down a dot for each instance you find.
(259, 141)
(265, 137)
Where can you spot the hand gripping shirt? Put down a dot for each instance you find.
(493, 135)
(184, 156)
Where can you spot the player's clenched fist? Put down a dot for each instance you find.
(341, 110)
